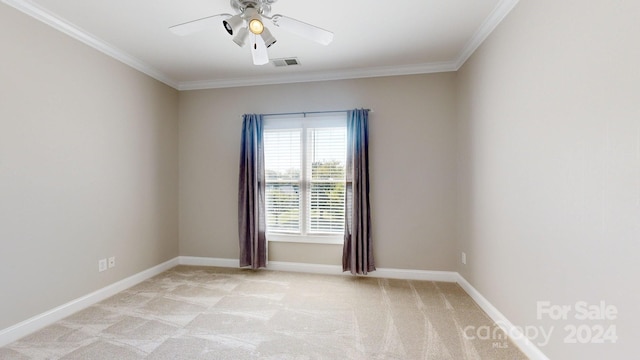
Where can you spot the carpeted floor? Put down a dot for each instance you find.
(219, 313)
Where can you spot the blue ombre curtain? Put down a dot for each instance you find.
(252, 226)
(357, 255)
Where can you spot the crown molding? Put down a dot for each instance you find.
(426, 68)
(491, 22)
(502, 9)
(50, 19)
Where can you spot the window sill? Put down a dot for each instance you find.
(309, 239)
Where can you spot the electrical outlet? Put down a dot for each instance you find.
(464, 258)
(112, 262)
(102, 265)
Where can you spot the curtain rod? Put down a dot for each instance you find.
(304, 113)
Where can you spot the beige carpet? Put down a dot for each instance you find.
(217, 313)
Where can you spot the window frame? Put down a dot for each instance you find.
(304, 122)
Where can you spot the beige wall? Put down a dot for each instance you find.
(549, 111)
(412, 145)
(88, 169)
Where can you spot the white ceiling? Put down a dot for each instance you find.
(372, 37)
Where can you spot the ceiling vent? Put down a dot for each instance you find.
(285, 62)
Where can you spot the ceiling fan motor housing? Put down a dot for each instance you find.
(263, 7)
(249, 12)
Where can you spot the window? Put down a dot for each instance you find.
(305, 177)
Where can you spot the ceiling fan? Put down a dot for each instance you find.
(248, 24)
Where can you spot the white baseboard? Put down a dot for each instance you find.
(273, 265)
(37, 322)
(305, 268)
(40, 321)
(515, 334)
(443, 276)
(205, 261)
(446, 276)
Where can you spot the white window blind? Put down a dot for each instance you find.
(283, 169)
(326, 154)
(305, 175)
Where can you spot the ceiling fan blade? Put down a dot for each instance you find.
(193, 26)
(303, 29)
(259, 51)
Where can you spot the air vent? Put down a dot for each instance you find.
(285, 62)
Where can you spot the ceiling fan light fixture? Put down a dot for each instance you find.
(232, 23)
(256, 26)
(268, 38)
(241, 37)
